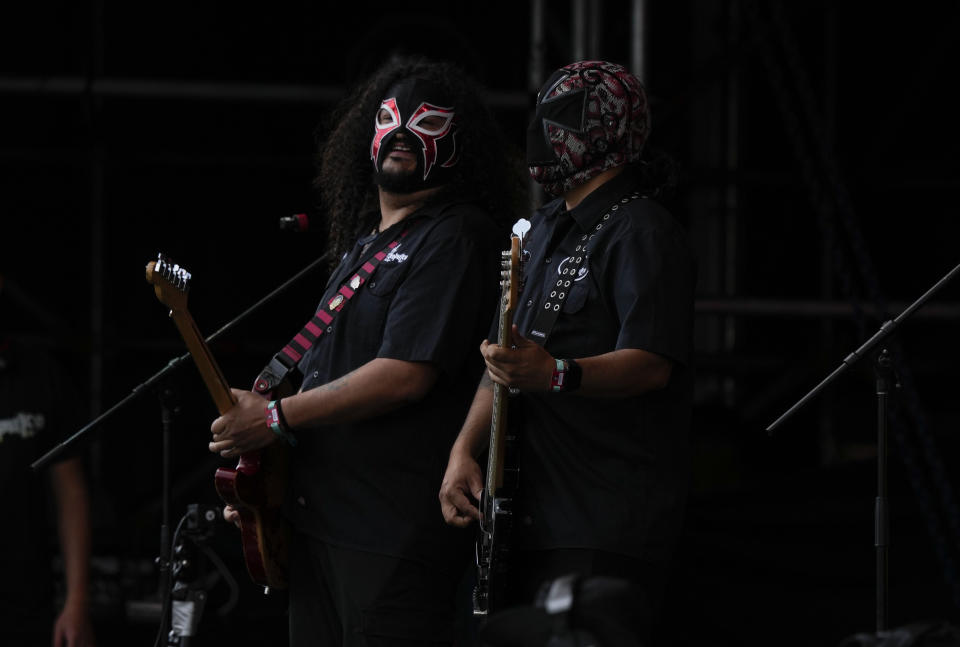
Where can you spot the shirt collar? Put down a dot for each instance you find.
(598, 202)
(429, 210)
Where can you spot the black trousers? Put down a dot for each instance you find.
(354, 598)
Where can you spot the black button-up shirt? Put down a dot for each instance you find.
(608, 473)
(372, 484)
(39, 408)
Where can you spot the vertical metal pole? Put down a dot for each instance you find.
(95, 178)
(706, 133)
(881, 519)
(167, 412)
(578, 30)
(827, 437)
(638, 39)
(594, 24)
(731, 192)
(536, 74)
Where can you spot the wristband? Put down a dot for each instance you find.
(566, 376)
(559, 378)
(277, 423)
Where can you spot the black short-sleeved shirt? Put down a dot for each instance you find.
(373, 484)
(608, 473)
(38, 409)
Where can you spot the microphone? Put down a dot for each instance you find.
(297, 223)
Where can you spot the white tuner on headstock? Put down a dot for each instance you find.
(521, 227)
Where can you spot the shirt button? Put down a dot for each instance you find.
(547, 260)
(316, 374)
(373, 284)
(529, 303)
(329, 328)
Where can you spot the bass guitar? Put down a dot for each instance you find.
(500, 484)
(256, 486)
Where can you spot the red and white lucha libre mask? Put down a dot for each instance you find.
(418, 113)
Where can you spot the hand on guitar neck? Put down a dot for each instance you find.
(526, 366)
(243, 428)
(239, 430)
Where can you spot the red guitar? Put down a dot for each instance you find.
(256, 486)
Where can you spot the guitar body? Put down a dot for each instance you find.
(255, 487)
(493, 543)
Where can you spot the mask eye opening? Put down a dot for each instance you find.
(437, 122)
(387, 116)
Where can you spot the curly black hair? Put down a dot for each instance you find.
(489, 170)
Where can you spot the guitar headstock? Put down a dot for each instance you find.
(170, 281)
(512, 266)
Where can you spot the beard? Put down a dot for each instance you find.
(400, 181)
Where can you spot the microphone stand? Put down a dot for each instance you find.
(884, 374)
(168, 410)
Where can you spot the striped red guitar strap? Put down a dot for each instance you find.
(288, 357)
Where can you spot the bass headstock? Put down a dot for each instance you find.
(511, 274)
(170, 282)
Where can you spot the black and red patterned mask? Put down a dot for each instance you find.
(591, 116)
(416, 116)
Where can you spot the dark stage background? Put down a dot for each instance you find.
(817, 148)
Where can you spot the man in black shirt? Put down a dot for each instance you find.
(601, 353)
(410, 176)
(38, 409)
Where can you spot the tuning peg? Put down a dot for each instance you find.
(521, 227)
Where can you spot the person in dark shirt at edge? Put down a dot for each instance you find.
(605, 389)
(414, 157)
(39, 408)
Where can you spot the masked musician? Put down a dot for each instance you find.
(600, 356)
(415, 182)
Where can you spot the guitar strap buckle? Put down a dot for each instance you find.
(271, 376)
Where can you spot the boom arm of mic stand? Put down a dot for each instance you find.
(888, 327)
(171, 366)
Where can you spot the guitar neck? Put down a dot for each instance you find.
(498, 422)
(209, 370)
(498, 426)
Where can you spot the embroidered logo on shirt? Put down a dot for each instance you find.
(394, 257)
(25, 425)
(583, 268)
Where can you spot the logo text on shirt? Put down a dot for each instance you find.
(583, 268)
(394, 257)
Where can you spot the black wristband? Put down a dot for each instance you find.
(282, 418)
(277, 423)
(574, 375)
